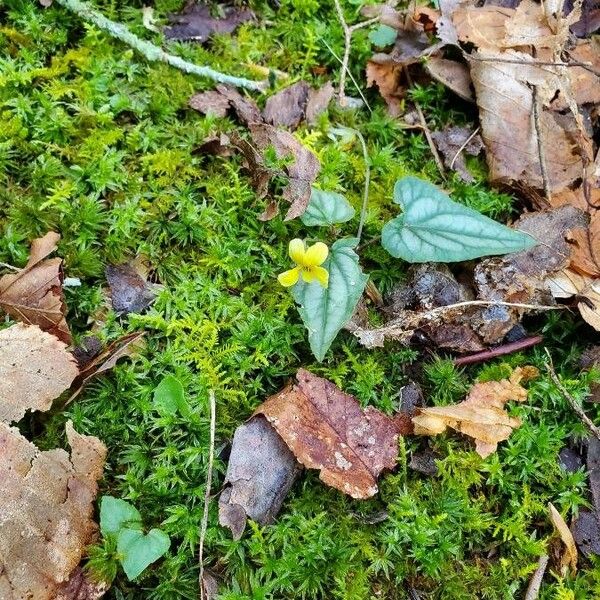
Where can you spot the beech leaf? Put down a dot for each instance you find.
(434, 228)
(325, 311)
(327, 208)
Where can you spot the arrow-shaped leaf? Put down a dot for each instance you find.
(433, 228)
(325, 311)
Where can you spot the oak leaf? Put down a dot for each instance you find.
(326, 429)
(35, 369)
(482, 415)
(34, 294)
(46, 512)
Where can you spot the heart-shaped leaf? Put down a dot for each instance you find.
(137, 550)
(327, 208)
(169, 397)
(433, 228)
(324, 311)
(116, 514)
(384, 35)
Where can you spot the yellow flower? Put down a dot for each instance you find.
(308, 261)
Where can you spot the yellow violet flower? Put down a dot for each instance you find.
(308, 261)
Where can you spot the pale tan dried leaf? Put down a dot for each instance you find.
(34, 294)
(585, 253)
(481, 416)
(326, 429)
(46, 512)
(453, 74)
(385, 74)
(570, 556)
(35, 369)
(482, 26)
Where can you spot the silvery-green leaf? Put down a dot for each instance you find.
(433, 228)
(116, 514)
(325, 311)
(384, 35)
(137, 551)
(327, 208)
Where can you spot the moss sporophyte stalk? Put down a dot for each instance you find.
(308, 261)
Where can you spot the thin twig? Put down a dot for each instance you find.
(426, 131)
(152, 52)
(348, 31)
(7, 266)
(498, 351)
(463, 146)
(211, 458)
(533, 589)
(569, 398)
(540, 143)
(363, 209)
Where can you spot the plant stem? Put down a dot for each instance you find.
(152, 52)
(498, 351)
(363, 210)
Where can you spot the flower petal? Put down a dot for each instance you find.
(321, 275)
(297, 251)
(289, 278)
(307, 274)
(316, 254)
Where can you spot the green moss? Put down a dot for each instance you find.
(99, 145)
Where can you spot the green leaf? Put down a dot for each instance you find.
(169, 397)
(137, 550)
(384, 35)
(116, 513)
(325, 311)
(327, 208)
(433, 228)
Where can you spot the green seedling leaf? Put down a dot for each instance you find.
(324, 311)
(116, 514)
(327, 208)
(433, 228)
(169, 397)
(384, 35)
(137, 550)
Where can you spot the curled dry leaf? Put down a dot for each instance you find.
(386, 74)
(482, 415)
(35, 369)
(326, 429)
(34, 294)
(46, 512)
(569, 558)
(196, 22)
(260, 473)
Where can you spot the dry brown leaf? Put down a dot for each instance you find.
(385, 74)
(129, 290)
(46, 512)
(288, 106)
(568, 283)
(318, 101)
(453, 74)
(326, 429)
(585, 253)
(570, 556)
(81, 587)
(35, 369)
(452, 142)
(226, 99)
(482, 26)
(481, 416)
(34, 294)
(125, 346)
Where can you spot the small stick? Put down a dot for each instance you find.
(572, 402)
(152, 52)
(533, 589)
(7, 266)
(498, 351)
(463, 146)
(426, 131)
(348, 31)
(211, 458)
(540, 144)
(363, 209)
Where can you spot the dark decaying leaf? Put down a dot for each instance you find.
(34, 294)
(88, 349)
(591, 359)
(452, 142)
(586, 532)
(593, 469)
(225, 99)
(46, 512)
(196, 22)
(326, 429)
(129, 291)
(301, 172)
(125, 346)
(287, 107)
(424, 462)
(411, 399)
(81, 587)
(260, 473)
(318, 101)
